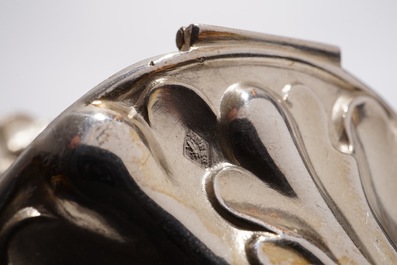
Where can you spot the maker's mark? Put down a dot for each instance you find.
(196, 149)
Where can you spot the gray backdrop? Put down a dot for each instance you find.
(52, 52)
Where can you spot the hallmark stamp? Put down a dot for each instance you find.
(196, 149)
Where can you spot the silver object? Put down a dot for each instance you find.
(16, 133)
(240, 148)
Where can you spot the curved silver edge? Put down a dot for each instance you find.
(201, 35)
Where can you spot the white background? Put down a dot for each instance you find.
(52, 52)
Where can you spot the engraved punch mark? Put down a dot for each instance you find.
(196, 149)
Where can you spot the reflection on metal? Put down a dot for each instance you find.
(240, 148)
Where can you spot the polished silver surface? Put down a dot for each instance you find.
(240, 148)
